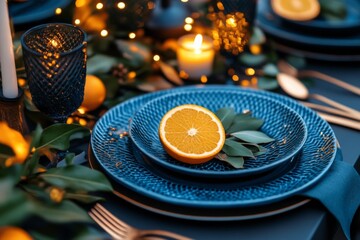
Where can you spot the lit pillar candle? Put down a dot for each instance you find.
(195, 55)
(8, 70)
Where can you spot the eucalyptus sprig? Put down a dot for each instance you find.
(243, 137)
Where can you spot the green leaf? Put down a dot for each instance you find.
(36, 136)
(100, 63)
(257, 37)
(5, 153)
(333, 10)
(65, 212)
(253, 136)
(267, 83)
(236, 162)
(226, 116)
(69, 158)
(270, 70)
(242, 123)
(252, 60)
(236, 149)
(58, 136)
(15, 208)
(31, 164)
(78, 178)
(82, 197)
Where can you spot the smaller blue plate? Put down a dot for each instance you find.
(281, 123)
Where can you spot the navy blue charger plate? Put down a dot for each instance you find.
(281, 123)
(114, 154)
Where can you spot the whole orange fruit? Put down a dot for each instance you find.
(94, 93)
(7, 233)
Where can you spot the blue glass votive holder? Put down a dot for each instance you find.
(55, 64)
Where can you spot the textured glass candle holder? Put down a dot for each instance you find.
(232, 21)
(55, 64)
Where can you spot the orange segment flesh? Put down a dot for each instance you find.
(297, 10)
(191, 134)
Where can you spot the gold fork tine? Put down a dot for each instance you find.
(99, 220)
(105, 212)
(120, 230)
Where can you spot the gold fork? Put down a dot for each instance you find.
(120, 230)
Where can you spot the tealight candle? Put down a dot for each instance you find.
(195, 55)
(8, 69)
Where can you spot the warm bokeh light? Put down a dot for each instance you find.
(80, 3)
(184, 1)
(245, 83)
(231, 22)
(183, 75)
(250, 71)
(121, 5)
(58, 11)
(254, 81)
(203, 79)
(235, 78)
(132, 75)
(99, 5)
(81, 110)
(70, 120)
(82, 122)
(255, 49)
(156, 58)
(189, 20)
(16, 142)
(104, 33)
(132, 35)
(21, 82)
(77, 21)
(187, 27)
(151, 5)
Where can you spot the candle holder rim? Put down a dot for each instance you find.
(24, 45)
(194, 35)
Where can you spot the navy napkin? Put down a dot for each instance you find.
(339, 191)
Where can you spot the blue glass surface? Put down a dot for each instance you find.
(281, 123)
(117, 159)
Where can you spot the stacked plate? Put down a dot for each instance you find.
(143, 173)
(337, 40)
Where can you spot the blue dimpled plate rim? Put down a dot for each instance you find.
(281, 123)
(114, 154)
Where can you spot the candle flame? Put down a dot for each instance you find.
(198, 42)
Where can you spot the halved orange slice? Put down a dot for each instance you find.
(191, 134)
(297, 10)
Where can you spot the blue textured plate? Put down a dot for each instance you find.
(35, 10)
(281, 123)
(114, 154)
(273, 26)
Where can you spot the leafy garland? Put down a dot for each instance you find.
(49, 183)
(243, 137)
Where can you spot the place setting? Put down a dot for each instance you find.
(327, 31)
(137, 120)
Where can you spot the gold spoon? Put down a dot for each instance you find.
(285, 67)
(295, 88)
